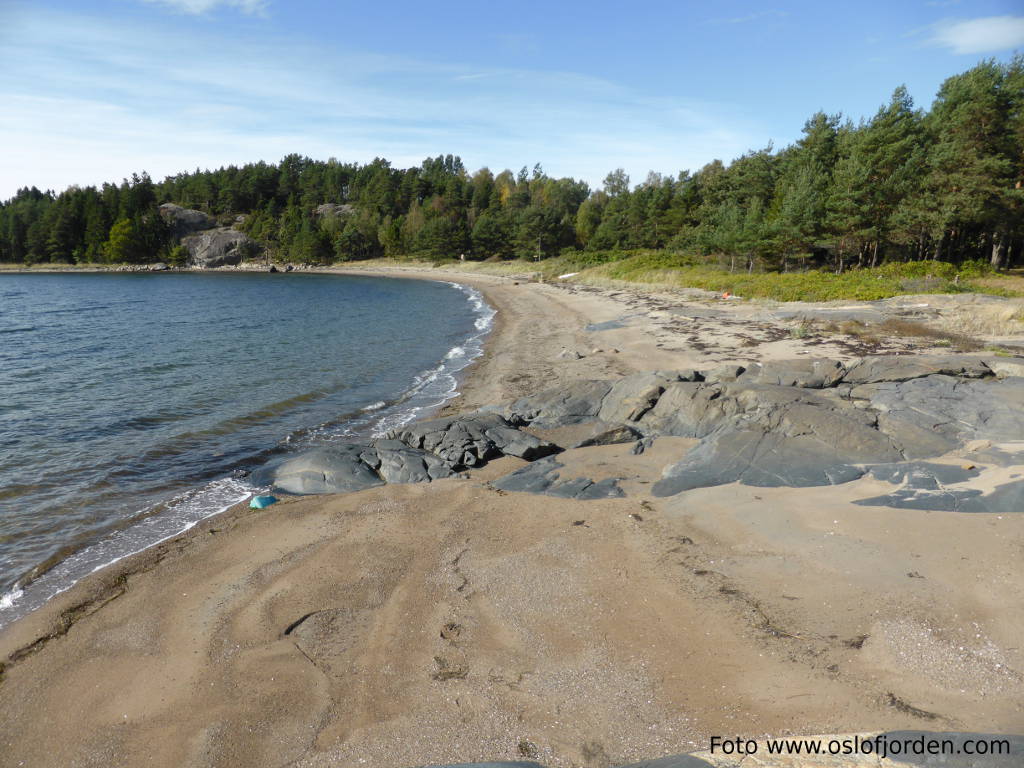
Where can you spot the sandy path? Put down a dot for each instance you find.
(414, 624)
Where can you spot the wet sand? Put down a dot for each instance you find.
(450, 622)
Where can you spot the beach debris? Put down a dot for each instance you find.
(260, 502)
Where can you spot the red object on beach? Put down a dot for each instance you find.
(726, 295)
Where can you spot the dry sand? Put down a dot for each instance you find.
(451, 622)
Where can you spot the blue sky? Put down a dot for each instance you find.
(92, 91)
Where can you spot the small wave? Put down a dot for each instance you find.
(374, 406)
(73, 310)
(8, 599)
(455, 352)
(18, 330)
(155, 525)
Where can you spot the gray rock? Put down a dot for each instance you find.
(810, 373)
(469, 441)
(631, 397)
(575, 403)
(330, 210)
(543, 477)
(158, 267)
(184, 221)
(869, 370)
(688, 409)
(926, 486)
(760, 458)
(954, 409)
(723, 373)
(609, 436)
(338, 469)
(219, 247)
(398, 463)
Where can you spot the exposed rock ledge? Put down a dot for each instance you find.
(791, 423)
(208, 245)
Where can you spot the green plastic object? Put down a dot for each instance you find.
(259, 502)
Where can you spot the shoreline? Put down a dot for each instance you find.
(71, 552)
(614, 614)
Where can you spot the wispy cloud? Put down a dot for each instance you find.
(768, 14)
(197, 7)
(100, 105)
(988, 35)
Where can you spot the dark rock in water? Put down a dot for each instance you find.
(469, 441)
(543, 477)
(338, 469)
(273, 269)
(609, 436)
(575, 403)
(184, 221)
(810, 373)
(219, 247)
(869, 370)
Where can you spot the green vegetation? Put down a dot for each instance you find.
(908, 201)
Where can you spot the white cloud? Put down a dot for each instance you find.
(987, 35)
(87, 100)
(252, 7)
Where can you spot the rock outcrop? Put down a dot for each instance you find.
(798, 423)
(185, 221)
(417, 453)
(791, 423)
(219, 247)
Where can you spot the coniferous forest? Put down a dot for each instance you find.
(907, 184)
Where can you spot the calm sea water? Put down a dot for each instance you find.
(131, 405)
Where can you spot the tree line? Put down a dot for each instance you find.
(945, 183)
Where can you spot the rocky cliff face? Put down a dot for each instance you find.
(185, 221)
(208, 245)
(219, 247)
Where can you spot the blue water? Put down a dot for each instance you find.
(131, 405)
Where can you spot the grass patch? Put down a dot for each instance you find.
(668, 270)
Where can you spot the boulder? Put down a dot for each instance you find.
(574, 403)
(184, 221)
(631, 397)
(219, 247)
(688, 409)
(338, 469)
(469, 441)
(607, 435)
(398, 463)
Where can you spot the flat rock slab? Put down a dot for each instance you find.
(905, 367)
(544, 477)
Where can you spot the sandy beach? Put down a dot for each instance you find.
(450, 622)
